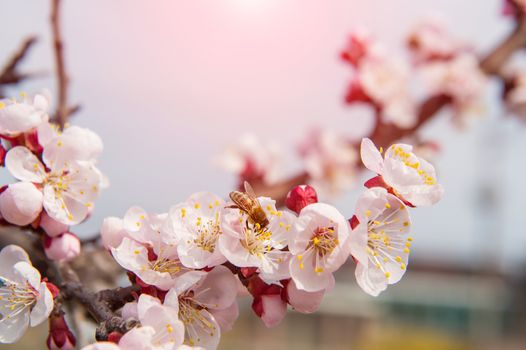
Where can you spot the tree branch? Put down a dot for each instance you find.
(63, 110)
(9, 73)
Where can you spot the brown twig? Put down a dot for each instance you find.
(63, 110)
(10, 73)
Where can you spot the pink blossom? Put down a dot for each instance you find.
(430, 40)
(411, 177)
(253, 159)
(77, 143)
(26, 300)
(64, 247)
(461, 80)
(166, 331)
(112, 232)
(196, 228)
(330, 160)
(158, 266)
(21, 203)
(247, 244)
(69, 187)
(386, 80)
(21, 116)
(208, 307)
(379, 241)
(319, 247)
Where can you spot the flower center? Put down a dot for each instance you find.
(384, 242)
(207, 233)
(192, 314)
(256, 240)
(173, 267)
(404, 157)
(15, 298)
(323, 241)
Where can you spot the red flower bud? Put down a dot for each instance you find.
(114, 337)
(299, 197)
(60, 337)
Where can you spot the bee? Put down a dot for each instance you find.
(247, 202)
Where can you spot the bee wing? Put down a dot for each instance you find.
(249, 190)
(236, 196)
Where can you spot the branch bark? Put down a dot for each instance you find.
(63, 110)
(10, 74)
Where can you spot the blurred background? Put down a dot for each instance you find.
(168, 84)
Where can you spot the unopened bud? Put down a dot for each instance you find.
(299, 197)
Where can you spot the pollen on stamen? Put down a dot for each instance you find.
(387, 205)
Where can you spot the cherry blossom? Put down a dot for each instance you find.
(461, 80)
(385, 80)
(248, 244)
(208, 307)
(197, 227)
(411, 178)
(21, 203)
(69, 187)
(157, 265)
(112, 232)
(74, 142)
(430, 40)
(329, 160)
(252, 158)
(21, 116)
(379, 241)
(162, 318)
(25, 300)
(319, 247)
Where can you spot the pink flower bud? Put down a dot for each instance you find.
(62, 248)
(270, 308)
(112, 232)
(303, 301)
(299, 197)
(21, 203)
(60, 337)
(52, 227)
(3, 152)
(114, 337)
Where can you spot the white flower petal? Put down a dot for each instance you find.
(24, 165)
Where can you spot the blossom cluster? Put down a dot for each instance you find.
(58, 180)
(329, 159)
(444, 66)
(193, 262)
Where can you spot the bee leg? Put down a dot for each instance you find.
(233, 206)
